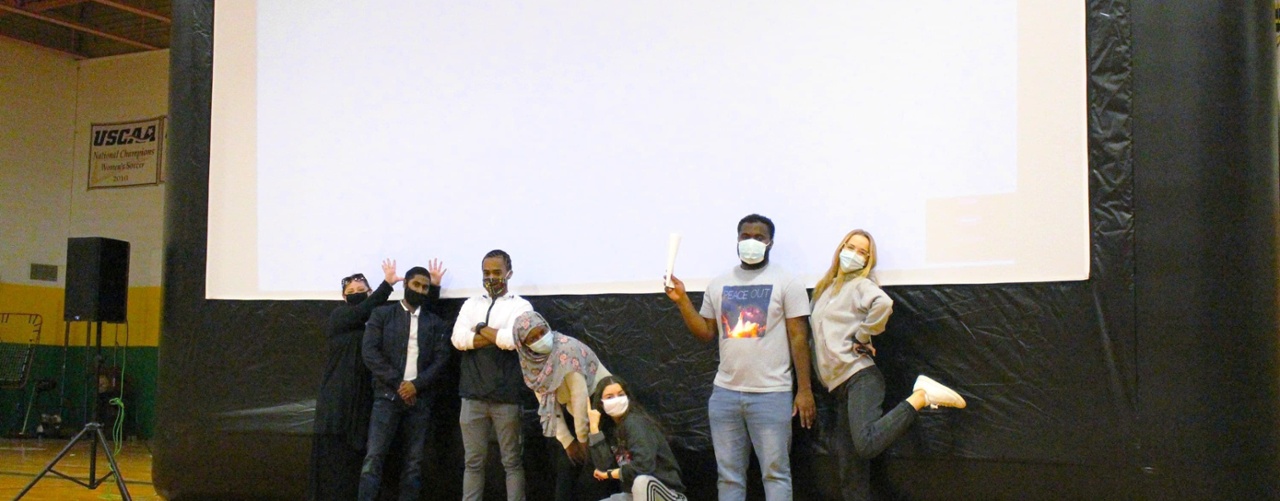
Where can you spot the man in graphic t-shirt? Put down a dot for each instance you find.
(758, 314)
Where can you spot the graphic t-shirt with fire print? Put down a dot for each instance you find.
(750, 308)
(744, 311)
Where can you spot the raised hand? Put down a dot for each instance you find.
(676, 293)
(593, 419)
(389, 271)
(437, 271)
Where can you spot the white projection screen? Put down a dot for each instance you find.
(579, 134)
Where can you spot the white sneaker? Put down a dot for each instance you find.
(935, 394)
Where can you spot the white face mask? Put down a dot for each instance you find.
(850, 260)
(543, 345)
(616, 406)
(751, 251)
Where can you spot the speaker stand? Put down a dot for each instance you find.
(93, 432)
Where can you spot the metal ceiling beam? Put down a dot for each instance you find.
(134, 10)
(43, 5)
(45, 47)
(77, 26)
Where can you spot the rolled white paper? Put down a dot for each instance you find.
(673, 245)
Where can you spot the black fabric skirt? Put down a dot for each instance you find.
(335, 468)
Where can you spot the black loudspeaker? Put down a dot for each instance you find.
(97, 280)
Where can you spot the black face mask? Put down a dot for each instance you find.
(357, 298)
(414, 298)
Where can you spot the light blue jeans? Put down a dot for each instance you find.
(742, 421)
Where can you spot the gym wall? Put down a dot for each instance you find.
(49, 101)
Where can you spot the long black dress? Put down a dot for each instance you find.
(344, 403)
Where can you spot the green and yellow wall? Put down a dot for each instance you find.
(48, 102)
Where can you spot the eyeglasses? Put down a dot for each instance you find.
(353, 278)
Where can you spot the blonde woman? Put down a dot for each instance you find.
(849, 308)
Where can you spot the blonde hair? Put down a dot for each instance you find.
(837, 277)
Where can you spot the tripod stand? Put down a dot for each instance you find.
(93, 432)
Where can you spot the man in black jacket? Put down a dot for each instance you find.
(346, 397)
(406, 348)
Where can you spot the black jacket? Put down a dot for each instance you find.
(345, 395)
(386, 339)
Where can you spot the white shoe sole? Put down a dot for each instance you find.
(938, 395)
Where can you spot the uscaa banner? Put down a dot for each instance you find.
(126, 153)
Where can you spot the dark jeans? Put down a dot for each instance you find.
(864, 432)
(389, 419)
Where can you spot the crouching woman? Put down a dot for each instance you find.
(632, 445)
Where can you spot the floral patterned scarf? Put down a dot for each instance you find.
(544, 373)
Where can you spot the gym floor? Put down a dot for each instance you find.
(22, 459)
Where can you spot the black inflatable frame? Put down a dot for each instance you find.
(1157, 378)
